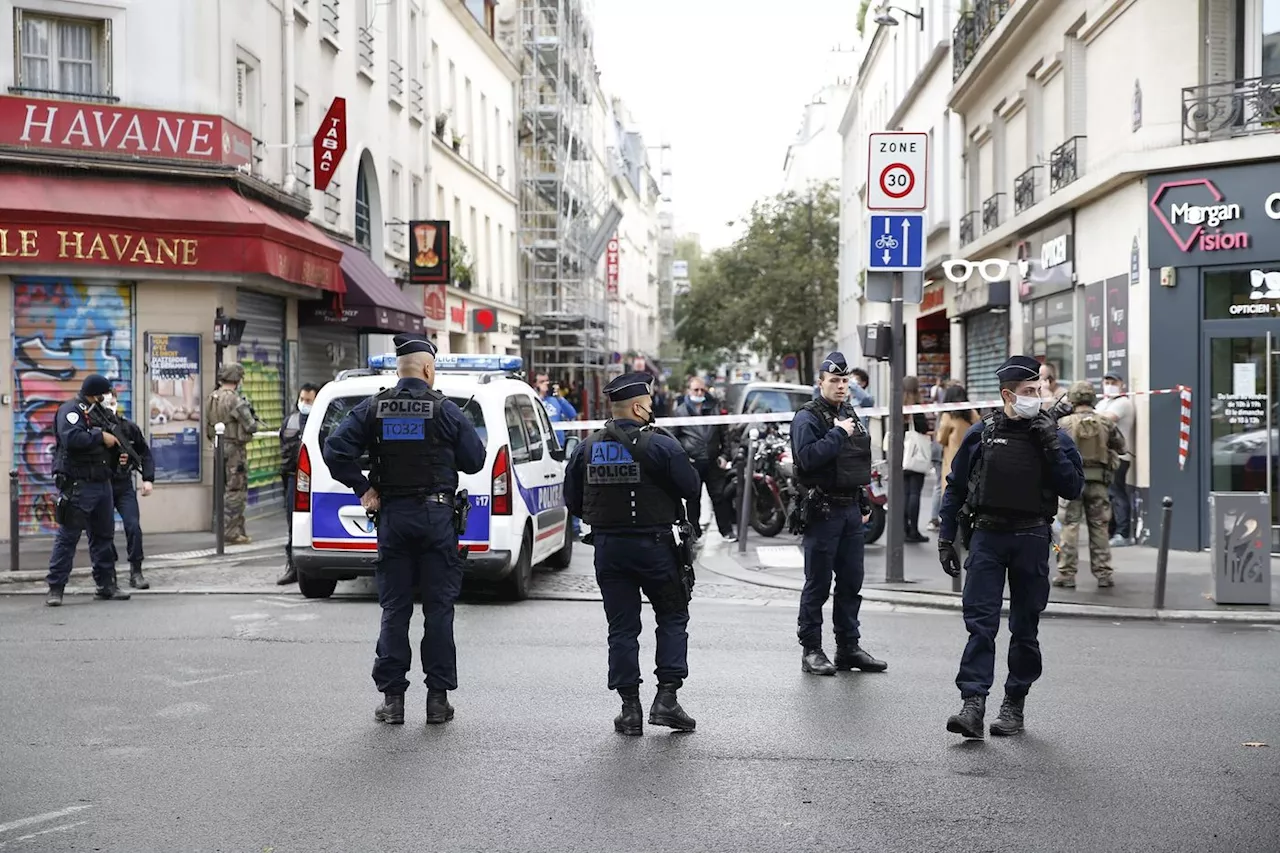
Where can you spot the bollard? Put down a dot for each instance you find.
(14, 520)
(219, 488)
(1162, 559)
(748, 491)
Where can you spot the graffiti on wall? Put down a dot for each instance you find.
(63, 331)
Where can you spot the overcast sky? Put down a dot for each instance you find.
(725, 83)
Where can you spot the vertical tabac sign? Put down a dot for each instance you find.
(330, 143)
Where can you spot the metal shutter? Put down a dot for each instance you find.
(986, 346)
(63, 330)
(324, 350)
(261, 353)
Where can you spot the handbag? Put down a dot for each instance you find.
(917, 451)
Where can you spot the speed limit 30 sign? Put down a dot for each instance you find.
(898, 171)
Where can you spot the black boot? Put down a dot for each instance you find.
(856, 657)
(816, 662)
(631, 720)
(111, 591)
(666, 711)
(438, 708)
(136, 580)
(969, 721)
(1010, 720)
(290, 576)
(54, 598)
(391, 710)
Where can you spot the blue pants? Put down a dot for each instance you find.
(125, 499)
(94, 500)
(627, 563)
(833, 548)
(417, 545)
(1024, 555)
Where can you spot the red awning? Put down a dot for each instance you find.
(373, 300)
(149, 226)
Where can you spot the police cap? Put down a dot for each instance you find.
(95, 385)
(1082, 393)
(1019, 368)
(835, 364)
(408, 344)
(628, 386)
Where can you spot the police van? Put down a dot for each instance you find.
(518, 517)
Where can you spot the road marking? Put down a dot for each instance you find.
(283, 602)
(247, 617)
(62, 828)
(299, 617)
(172, 683)
(781, 556)
(41, 818)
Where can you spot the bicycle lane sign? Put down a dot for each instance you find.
(898, 171)
(896, 243)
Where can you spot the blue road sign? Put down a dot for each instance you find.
(897, 243)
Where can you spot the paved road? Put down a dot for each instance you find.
(244, 723)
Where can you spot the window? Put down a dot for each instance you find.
(502, 262)
(364, 230)
(770, 400)
(1270, 38)
(488, 257)
(396, 233)
(393, 28)
(439, 210)
(469, 133)
(63, 55)
(415, 61)
(532, 430)
(415, 197)
(248, 102)
(301, 136)
(339, 408)
(484, 134)
(553, 439)
(497, 143)
(515, 433)
(453, 92)
(437, 103)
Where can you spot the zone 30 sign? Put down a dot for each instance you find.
(898, 171)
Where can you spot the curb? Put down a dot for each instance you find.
(728, 567)
(166, 561)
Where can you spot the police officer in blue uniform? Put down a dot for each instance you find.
(1008, 474)
(417, 440)
(124, 493)
(630, 484)
(832, 453)
(82, 469)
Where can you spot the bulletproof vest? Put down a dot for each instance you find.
(852, 469)
(408, 456)
(222, 409)
(1091, 433)
(620, 489)
(91, 463)
(1011, 478)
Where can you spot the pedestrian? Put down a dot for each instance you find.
(629, 483)
(558, 410)
(859, 391)
(228, 406)
(832, 453)
(417, 440)
(1049, 387)
(290, 447)
(705, 446)
(82, 459)
(952, 427)
(1117, 406)
(1005, 482)
(124, 496)
(1100, 444)
(915, 469)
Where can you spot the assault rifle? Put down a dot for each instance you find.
(104, 420)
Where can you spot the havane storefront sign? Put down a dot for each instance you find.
(1214, 217)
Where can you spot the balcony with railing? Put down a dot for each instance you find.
(329, 19)
(972, 30)
(1231, 109)
(333, 202)
(1026, 190)
(397, 233)
(417, 101)
(64, 95)
(968, 224)
(302, 176)
(259, 168)
(365, 49)
(992, 209)
(1066, 163)
(395, 80)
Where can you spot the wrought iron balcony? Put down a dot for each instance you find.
(329, 18)
(1230, 109)
(972, 30)
(63, 94)
(967, 227)
(365, 45)
(1065, 163)
(395, 79)
(1025, 190)
(302, 178)
(415, 96)
(333, 202)
(991, 209)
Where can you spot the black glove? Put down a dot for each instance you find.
(697, 528)
(1044, 429)
(864, 502)
(949, 558)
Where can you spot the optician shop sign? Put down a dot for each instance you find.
(1214, 217)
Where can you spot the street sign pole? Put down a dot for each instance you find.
(893, 570)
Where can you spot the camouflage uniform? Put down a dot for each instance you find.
(230, 408)
(1094, 505)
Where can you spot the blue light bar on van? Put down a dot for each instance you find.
(386, 361)
(479, 363)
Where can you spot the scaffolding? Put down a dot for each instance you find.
(567, 319)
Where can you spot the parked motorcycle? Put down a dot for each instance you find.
(878, 492)
(771, 488)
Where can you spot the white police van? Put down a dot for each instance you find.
(518, 516)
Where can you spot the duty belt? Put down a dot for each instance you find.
(985, 521)
(423, 497)
(837, 500)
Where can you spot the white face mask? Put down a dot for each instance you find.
(1111, 390)
(110, 404)
(1026, 407)
(304, 408)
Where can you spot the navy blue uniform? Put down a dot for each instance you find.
(1022, 551)
(84, 460)
(417, 541)
(634, 557)
(123, 493)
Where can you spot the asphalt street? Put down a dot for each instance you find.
(244, 723)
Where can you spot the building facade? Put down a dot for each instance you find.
(814, 156)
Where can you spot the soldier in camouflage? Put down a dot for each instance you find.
(1101, 445)
(228, 406)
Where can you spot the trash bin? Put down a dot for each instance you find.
(1240, 547)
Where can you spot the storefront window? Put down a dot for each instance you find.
(1051, 333)
(1242, 294)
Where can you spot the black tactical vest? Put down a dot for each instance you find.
(1012, 476)
(852, 469)
(408, 457)
(620, 490)
(93, 463)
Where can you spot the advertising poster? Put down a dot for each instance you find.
(173, 406)
(1095, 331)
(1118, 326)
(429, 252)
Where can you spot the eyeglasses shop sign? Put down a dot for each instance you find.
(1214, 217)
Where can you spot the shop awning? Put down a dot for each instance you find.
(372, 301)
(151, 226)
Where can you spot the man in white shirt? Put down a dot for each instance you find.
(1118, 406)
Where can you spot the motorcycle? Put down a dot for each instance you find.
(771, 489)
(878, 492)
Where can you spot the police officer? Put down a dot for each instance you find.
(124, 496)
(227, 406)
(832, 453)
(417, 440)
(290, 446)
(629, 484)
(1007, 476)
(82, 470)
(1101, 445)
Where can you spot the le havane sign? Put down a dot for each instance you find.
(97, 129)
(119, 248)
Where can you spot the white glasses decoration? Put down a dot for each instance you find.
(958, 270)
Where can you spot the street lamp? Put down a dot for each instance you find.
(884, 19)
